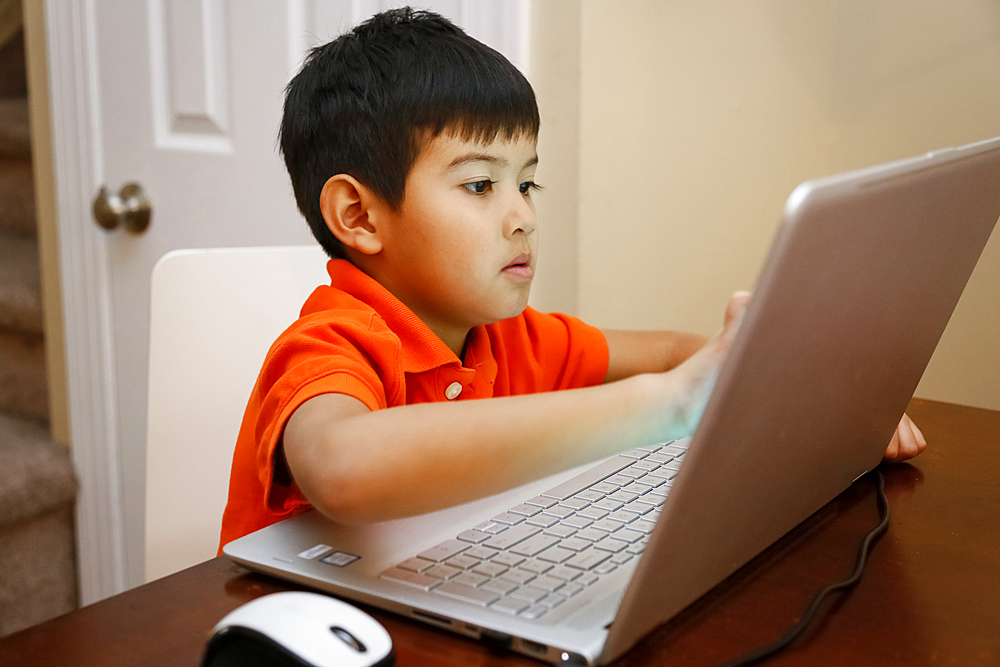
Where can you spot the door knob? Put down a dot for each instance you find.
(130, 207)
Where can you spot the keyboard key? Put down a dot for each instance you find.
(637, 507)
(490, 569)
(462, 561)
(560, 530)
(578, 543)
(415, 564)
(673, 465)
(674, 450)
(608, 525)
(529, 593)
(410, 578)
(554, 601)
(642, 526)
(622, 496)
(590, 534)
(535, 566)
(590, 495)
(646, 465)
(512, 536)
(481, 553)
(571, 589)
(491, 528)
(621, 558)
(533, 545)
(518, 576)
(577, 522)
(508, 518)
(636, 453)
(592, 513)
(575, 502)
(618, 480)
(573, 486)
(444, 572)
(471, 579)
(555, 555)
(629, 535)
(608, 505)
(604, 487)
(525, 509)
(637, 488)
(634, 472)
(535, 612)
(560, 511)
(563, 572)
(586, 579)
(588, 559)
(622, 516)
(659, 458)
(507, 559)
(499, 586)
(548, 584)
(477, 596)
(541, 501)
(605, 568)
(611, 544)
(444, 551)
(543, 520)
(473, 536)
(510, 605)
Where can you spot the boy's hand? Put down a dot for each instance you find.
(691, 383)
(906, 442)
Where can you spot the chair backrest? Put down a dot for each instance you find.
(214, 315)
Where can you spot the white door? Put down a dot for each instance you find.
(183, 97)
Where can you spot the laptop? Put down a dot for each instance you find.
(860, 282)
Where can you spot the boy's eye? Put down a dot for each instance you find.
(479, 187)
(528, 186)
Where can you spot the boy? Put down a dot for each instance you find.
(411, 150)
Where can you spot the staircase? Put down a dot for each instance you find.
(37, 484)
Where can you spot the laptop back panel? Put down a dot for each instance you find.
(861, 281)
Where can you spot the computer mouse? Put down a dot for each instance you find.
(298, 629)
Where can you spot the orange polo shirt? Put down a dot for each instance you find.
(353, 337)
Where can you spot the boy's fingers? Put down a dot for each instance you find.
(893, 449)
(737, 304)
(906, 442)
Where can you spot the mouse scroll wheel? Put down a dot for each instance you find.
(348, 638)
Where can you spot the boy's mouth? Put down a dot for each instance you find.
(520, 267)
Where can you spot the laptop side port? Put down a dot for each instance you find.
(424, 616)
(534, 647)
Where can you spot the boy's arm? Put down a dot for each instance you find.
(634, 352)
(357, 466)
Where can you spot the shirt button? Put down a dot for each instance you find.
(453, 390)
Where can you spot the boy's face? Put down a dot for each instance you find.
(462, 248)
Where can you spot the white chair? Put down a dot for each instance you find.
(214, 314)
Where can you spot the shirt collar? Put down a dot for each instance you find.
(422, 349)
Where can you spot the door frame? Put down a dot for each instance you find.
(71, 34)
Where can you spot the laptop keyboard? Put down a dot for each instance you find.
(539, 554)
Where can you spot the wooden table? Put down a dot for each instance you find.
(930, 595)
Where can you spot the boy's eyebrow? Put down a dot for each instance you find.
(486, 157)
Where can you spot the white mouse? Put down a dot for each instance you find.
(298, 629)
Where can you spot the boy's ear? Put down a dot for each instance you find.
(347, 207)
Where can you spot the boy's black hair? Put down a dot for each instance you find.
(366, 103)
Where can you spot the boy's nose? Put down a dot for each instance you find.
(520, 216)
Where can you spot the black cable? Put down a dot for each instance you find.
(807, 616)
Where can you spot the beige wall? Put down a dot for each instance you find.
(697, 119)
